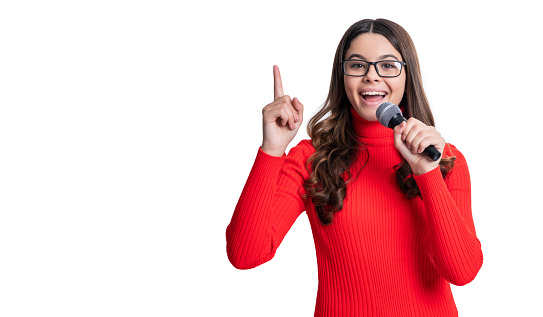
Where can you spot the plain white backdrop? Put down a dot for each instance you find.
(128, 129)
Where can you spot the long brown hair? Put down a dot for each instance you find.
(334, 139)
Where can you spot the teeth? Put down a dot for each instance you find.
(373, 93)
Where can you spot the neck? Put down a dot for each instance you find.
(371, 132)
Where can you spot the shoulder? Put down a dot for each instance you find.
(298, 156)
(460, 166)
(451, 151)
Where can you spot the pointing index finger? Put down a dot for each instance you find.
(277, 83)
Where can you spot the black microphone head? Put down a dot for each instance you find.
(386, 111)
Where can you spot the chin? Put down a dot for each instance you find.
(366, 113)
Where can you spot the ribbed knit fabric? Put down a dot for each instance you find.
(384, 254)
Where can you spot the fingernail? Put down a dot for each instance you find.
(403, 137)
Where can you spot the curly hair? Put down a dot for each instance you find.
(332, 133)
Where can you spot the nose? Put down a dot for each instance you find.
(371, 75)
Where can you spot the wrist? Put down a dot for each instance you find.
(273, 152)
(421, 171)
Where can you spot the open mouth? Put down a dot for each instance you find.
(373, 96)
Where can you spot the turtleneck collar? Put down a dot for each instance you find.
(372, 132)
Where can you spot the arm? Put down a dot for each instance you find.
(453, 246)
(267, 208)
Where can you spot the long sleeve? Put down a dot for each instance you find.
(383, 254)
(268, 206)
(453, 246)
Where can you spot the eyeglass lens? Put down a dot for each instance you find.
(384, 68)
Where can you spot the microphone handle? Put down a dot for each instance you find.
(430, 150)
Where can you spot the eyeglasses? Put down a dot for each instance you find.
(359, 68)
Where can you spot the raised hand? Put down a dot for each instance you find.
(281, 119)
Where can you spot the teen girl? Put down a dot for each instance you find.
(392, 229)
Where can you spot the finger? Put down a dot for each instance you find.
(272, 111)
(291, 116)
(436, 140)
(424, 143)
(414, 127)
(398, 135)
(277, 83)
(399, 129)
(285, 111)
(420, 139)
(299, 107)
(424, 139)
(287, 118)
(399, 143)
(409, 133)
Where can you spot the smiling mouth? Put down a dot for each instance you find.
(373, 96)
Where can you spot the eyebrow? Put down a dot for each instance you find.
(379, 58)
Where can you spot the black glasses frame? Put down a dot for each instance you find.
(374, 65)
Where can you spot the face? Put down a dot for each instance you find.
(366, 93)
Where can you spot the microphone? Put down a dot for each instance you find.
(390, 115)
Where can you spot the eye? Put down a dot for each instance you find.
(355, 65)
(389, 65)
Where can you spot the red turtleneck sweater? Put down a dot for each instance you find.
(383, 254)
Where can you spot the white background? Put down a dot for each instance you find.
(128, 129)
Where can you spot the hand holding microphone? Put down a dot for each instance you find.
(419, 144)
